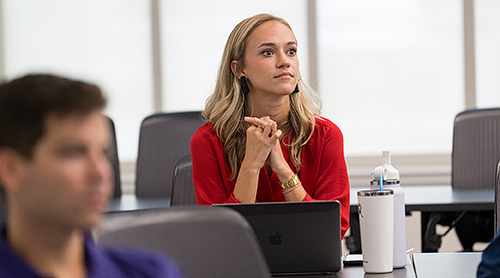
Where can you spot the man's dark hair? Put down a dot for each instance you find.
(25, 104)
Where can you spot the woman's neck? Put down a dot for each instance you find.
(276, 107)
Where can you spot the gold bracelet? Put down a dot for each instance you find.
(293, 181)
(290, 189)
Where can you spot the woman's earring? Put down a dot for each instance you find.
(296, 89)
(244, 86)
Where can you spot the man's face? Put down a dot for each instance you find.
(68, 180)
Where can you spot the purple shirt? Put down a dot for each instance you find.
(100, 263)
(490, 263)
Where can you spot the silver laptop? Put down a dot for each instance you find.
(296, 238)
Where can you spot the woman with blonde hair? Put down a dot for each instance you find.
(264, 140)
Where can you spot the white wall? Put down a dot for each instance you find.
(390, 73)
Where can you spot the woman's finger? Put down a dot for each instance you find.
(274, 128)
(267, 129)
(258, 121)
(252, 120)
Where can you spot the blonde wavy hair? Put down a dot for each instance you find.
(227, 107)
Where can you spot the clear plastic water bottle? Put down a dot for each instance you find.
(390, 180)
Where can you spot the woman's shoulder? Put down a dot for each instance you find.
(205, 132)
(324, 131)
(325, 125)
(206, 129)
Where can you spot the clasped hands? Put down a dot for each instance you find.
(263, 146)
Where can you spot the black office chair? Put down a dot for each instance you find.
(115, 162)
(182, 183)
(164, 139)
(476, 149)
(206, 242)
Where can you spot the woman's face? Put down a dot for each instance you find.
(271, 65)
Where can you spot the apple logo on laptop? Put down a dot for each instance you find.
(275, 239)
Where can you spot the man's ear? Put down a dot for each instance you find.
(10, 168)
(237, 69)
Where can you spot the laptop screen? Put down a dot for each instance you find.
(296, 237)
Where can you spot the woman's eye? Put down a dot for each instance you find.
(292, 52)
(267, 52)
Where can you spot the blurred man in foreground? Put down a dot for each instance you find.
(57, 179)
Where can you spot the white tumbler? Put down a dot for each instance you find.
(376, 223)
(390, 180)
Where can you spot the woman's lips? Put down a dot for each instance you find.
(284, 75)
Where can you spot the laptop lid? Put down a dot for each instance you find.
(296, 237)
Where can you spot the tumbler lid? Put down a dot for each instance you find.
(389, 173)
(375, 192)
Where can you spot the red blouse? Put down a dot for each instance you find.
(323, 173)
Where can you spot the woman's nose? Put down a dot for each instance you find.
(283, 60)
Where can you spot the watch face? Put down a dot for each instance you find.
(293, 181)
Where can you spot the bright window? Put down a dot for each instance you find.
(104, 42)
(487, 29)
(391, 73)
(194, 34)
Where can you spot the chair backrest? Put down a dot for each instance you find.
(164, 139)
(182, 183)
(115, 162)
(476, 148)
(497, 196)
(205, 242)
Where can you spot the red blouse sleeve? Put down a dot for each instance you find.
(209, 168)
(330, 180)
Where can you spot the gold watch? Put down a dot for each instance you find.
(293, 181)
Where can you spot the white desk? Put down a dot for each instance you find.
(444, 265)
(435, 198)
(422, 198)
(130, 202)
(358, 272)
(431, 198)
